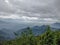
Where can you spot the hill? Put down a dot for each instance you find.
(27, 38)
(6, 34)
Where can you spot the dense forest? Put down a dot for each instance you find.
(28, 38)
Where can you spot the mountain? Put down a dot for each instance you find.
(55, 26)
(37, 30)
(14, 24)
(7, 29)
(11, 25)
(5, 34)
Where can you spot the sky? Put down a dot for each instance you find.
(46, 11)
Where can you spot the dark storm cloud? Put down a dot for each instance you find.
(31, 8)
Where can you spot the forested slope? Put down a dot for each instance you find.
(28, 38)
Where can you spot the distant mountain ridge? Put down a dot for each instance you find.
(55, 26)
(5, 34)
(41, 29)
(37, 30)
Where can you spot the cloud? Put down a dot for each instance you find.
(25, 18)
(30, 10)
(8, 3)
(11, 16)
(30, 19)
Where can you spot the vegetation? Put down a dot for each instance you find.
(28, 38)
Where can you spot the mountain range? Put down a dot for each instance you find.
(7, 29)
(6, 34)
(37, 30)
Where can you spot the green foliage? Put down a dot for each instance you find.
(27, 38)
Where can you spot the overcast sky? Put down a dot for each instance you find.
(31, 10)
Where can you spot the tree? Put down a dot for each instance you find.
(47, 37)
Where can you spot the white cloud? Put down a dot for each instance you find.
(21, 0)
(8, 3)
(29, 18)
(49, 19)
(19, 17)
(10, 16)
